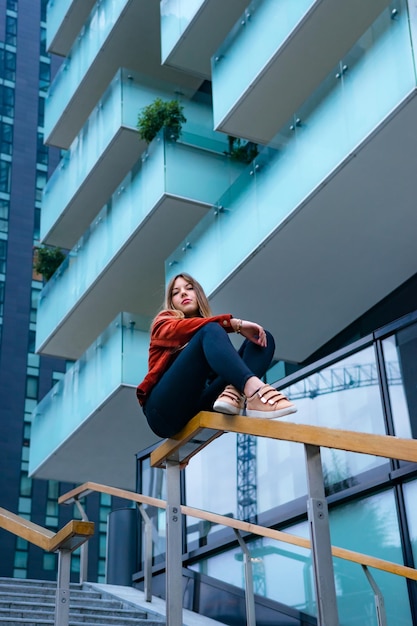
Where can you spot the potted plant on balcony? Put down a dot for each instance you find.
(242, 150)
(161, 114)
(47, 259)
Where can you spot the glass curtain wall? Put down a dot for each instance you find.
(368, 387)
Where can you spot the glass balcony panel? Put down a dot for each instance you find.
(118, 110)
(83, 154)
(175, 17)
(72, 71)
(56, 12)
(399, 355)
(354, 99)
(160, 171)
(246, 49)
(118, 357)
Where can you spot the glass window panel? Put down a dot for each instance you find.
(3, 254)
(32, 387)
(49, 562)
(11, 30)
(5, 167)
(25, 505)
(281, 572)
(21, 544)
(344, 395)
(25, 486)
(401, 368)
(369, 526)
(410, 498)
(53, 490)
(20, 559)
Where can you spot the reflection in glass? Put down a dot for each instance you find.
(284, 573)
(281, 572)
(211, 484)
(369, 526)
(401, 370)
(344, 395)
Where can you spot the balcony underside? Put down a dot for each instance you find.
(203, 35)
(134, 42)
(114, 432)
(61, 40)
(133, 281)
(298, 66)
(361, 222)
(93, 193)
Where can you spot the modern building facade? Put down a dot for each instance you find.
(290, 196)
(25, 377)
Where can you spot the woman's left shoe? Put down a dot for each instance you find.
(269, 403)
(230, 401)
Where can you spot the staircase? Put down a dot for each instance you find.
(32, 603)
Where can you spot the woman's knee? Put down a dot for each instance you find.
(212, 329)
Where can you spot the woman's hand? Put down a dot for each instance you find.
(250, 330)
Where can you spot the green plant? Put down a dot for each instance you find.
(241, 150)
(47, 261)
(161, 114)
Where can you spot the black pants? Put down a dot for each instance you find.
(199, 374)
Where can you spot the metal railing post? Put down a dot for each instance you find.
(318, 518)
(84, 547)
(249, 595)
(147, 556)
(378, 597)
(62, 603)
(173, 543)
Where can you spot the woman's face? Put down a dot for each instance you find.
(184, 298)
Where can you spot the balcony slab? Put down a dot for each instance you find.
(295, 69)
(199, 39)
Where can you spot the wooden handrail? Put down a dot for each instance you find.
(348, 555)
(194, 437)
(70, 537)
(87, 488)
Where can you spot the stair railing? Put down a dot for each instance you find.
(175, 453)
(65, 541)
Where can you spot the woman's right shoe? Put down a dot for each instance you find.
(230, 401)
(268, 403)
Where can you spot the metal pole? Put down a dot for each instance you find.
(84, 547)
(378, 597)
(147, 554)
(173, 544)
(62, 601)
(318, 518)
(249, 596)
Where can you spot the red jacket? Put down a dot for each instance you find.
(168, 335)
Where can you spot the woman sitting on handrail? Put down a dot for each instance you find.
(194, 367)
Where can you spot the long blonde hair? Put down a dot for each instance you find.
(203, 304)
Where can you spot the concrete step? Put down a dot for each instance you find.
(32, 603)
(93, 613)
